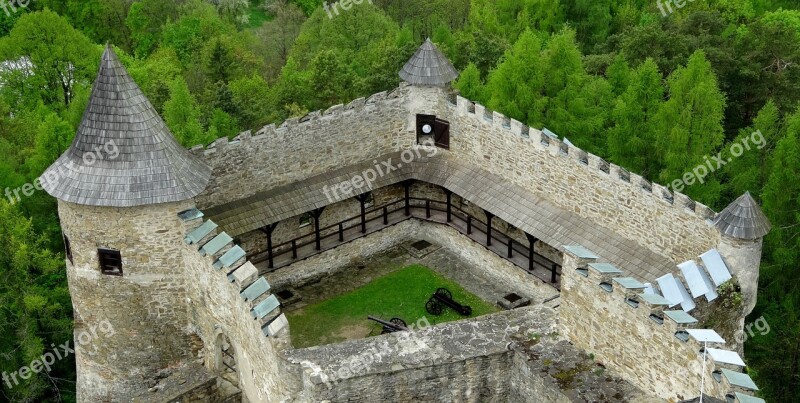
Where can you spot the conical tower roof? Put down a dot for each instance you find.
(428, 66)
(123, 154)
(742, 219)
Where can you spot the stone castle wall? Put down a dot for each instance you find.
(300, 148)
(145, 307)
(644, 352)
(463, 361)
(216, 309)
(666, 223)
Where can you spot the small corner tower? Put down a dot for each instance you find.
(428, 67)
(119, 187)
(743, 225)
(429, 74)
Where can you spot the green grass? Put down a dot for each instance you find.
(258, 16)
(400, 294)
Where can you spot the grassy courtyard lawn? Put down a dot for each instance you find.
(400, 294)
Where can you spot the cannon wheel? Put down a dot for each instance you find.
(467, 310)
(434, 307)
(398, 322)
(445, 293)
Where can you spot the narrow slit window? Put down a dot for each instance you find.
(67, 248)
(110, 261)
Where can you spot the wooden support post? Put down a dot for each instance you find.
(294, 249)
(449, 195)
(427, 209)
(317, 213)
(469, 225)
(362, 199)
(341, 232)
(489, 217)
(510, 248)
(407, 186)
(268, 231)
(553, 273)
(531, 252)
(385, 216)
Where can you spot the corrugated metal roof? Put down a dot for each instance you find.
(123, 154)
(742, 219)
(428, 66)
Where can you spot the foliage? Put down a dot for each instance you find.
(656, 95)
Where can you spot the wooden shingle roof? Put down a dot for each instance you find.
(510, 202)
(123, 154)
(428, 66)
(743, 219)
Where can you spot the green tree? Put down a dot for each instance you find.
(252, 95)
(513, 87)
(636, 127)
(750, 170)
(692, 123)
(182, 115)
(776, 357)
(58, 55)
(36, 308)
(469, 84)
(146, 20)
(619, 75)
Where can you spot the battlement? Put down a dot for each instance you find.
(636, 333)
(546, 141)
(366, 128)
(231, 305)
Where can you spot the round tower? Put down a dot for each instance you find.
(119, 187)
(743, 225)
(429, 74)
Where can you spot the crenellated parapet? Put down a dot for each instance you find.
(233, 309)
(667, 222)
(635, 332)
(553, 145)
(298, 148)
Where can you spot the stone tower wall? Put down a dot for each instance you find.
(145, 307)
(743, 258)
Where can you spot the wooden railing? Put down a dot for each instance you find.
(380, 217)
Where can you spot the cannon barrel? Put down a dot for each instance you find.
(389, 325)
(443, 296)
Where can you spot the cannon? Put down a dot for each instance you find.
(443, 298)
(393, 325)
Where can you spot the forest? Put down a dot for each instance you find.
(645, 84)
